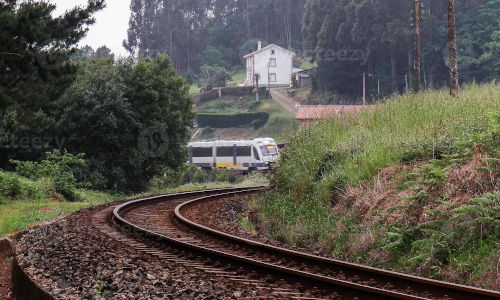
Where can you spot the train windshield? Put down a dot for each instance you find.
(269, 150)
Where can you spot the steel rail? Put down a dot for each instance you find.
(465, 292)
(207, 195)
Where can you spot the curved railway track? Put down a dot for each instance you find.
(163, 219)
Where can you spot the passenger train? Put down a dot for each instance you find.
(245, 155)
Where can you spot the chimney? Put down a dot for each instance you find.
(260, 45)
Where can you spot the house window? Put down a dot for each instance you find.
(272, 62)
(272, 77)
(273, 52)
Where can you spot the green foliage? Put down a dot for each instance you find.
(211, 57)
(111, 106)
(434, 243)
(14, 187)
(212, 76)
(185, 29)
(30, 33)
(345, 40)
(169, 179)
(36, 70)
(190, 77)
(321, 161)
(256, 120)
(58, 167)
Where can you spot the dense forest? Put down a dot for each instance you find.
(185, 28)
(343, 37)
(381, 30)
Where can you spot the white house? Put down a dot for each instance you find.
(273, 65)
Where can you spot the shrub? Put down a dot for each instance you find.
(213, 76)
(57, 167)
(169, 179)
(252, 105)
(225, 176)
(10, 186)
(200, 176)
(13, 186)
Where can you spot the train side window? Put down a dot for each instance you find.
(244, 151)
(225, 151)
(202, 152)
(256, 154)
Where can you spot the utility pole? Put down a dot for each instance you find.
(364, 88)
(452, 46)
(257, 87)
(417, 13)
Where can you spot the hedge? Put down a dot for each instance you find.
(237, 91)
(255, 119)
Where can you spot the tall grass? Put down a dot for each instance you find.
(281, 123)
(24, 202)
(321, 161)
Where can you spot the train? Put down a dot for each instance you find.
(244, 155)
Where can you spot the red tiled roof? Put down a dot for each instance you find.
(316, 112)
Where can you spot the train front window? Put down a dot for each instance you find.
(256, 154)
(269, 150)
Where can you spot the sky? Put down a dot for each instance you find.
(110, 28)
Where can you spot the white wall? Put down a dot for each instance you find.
(283, 69)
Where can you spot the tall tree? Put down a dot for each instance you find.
(35, 68)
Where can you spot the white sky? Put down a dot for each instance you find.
(110, 28)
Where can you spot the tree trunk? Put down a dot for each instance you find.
(394, 70)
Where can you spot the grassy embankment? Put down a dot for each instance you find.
(411, 185)
(280, 125)
(24, 202)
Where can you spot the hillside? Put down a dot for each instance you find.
(280, 123)
(412, 185)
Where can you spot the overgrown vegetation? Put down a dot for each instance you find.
(24, 202)
(192, 178)
(412, 185)
(56, 168)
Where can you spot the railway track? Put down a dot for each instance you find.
(164, 219)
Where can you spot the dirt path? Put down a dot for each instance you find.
(284, 101)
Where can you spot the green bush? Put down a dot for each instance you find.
(169, 179)
(15, 187)
(257, 120)
(200, 176)
(225, 176)
(57, 167)
(10, 186)
(253, 105)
